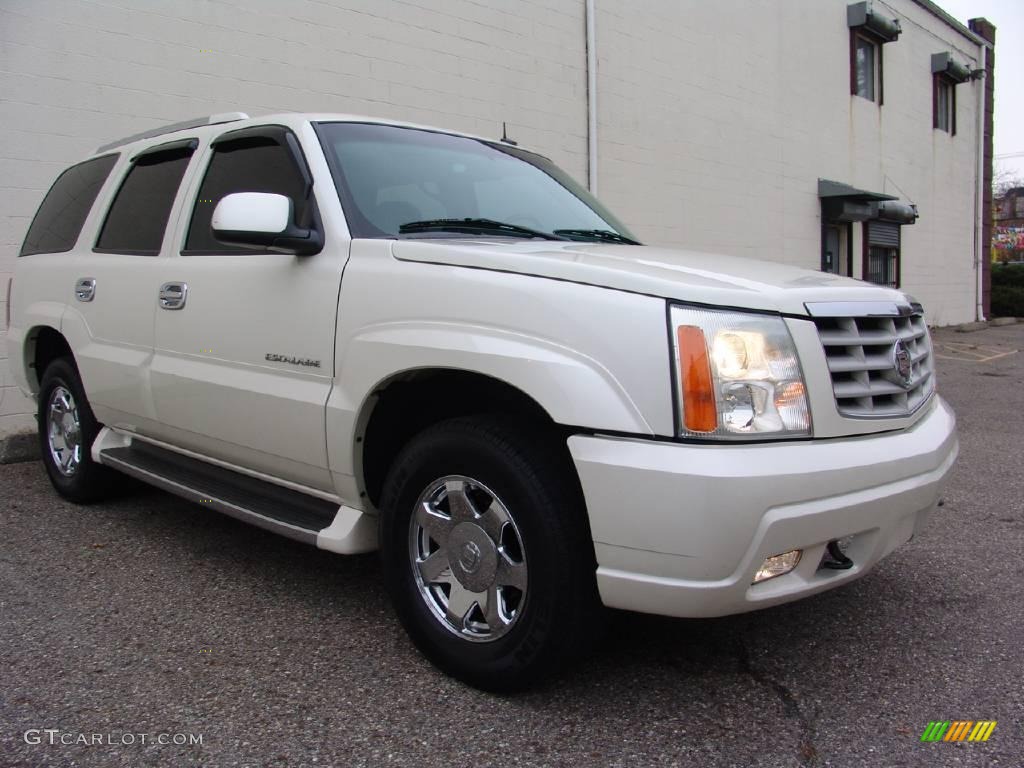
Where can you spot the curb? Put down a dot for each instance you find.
(19, 446)
(982, 325)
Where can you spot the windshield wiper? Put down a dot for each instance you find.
(474, 227)
(605, 235)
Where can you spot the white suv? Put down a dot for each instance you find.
(362, 334)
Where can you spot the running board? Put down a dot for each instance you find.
(266, 505)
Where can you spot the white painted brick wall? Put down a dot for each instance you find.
(716, 119)
(74, 75)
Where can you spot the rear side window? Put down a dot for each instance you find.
(58, 222)
(253, 164)
(138, 216)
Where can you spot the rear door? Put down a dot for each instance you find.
(244, 363)
(109, 320)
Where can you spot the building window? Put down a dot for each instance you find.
(882, 267)
(882, 253)
(866, 66)
(946, 75)
(945, 105)
(869, 31)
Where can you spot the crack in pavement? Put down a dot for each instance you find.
(808, 753)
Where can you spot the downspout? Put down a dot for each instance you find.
(979, 196)
(591, 22)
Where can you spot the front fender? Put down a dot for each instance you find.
(592, 358)
(572, 388)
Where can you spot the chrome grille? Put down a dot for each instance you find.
(861, 360)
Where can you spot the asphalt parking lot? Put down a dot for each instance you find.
(148, 615)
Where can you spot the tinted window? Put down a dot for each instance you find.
(138, 216)
(59, 220)
(253, 164)
(389, 176)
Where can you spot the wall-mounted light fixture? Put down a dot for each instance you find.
(897, 211)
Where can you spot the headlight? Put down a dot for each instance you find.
(739, 376)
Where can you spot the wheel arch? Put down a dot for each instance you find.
(43, 344)
(409, 401)
(561, 385)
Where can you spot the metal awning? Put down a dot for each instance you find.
(841, 203)
(831, 189)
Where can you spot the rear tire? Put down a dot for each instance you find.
(487, 553)
(67, 429)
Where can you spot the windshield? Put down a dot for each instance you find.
(404, 182)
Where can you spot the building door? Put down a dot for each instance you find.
(835, 249)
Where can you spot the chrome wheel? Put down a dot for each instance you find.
(64, 431)
(468, 559)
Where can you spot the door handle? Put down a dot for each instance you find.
(173, 295)
(85, 288)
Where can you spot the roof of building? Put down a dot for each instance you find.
(944, 16)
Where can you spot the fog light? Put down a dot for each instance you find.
(777, 565)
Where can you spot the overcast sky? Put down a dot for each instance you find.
(1008, 16)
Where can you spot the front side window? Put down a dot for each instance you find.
(249, 164)
(138, 216)
(404, 182)
(865, 67)
(59, 220)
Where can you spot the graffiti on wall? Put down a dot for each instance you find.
(1008, 244)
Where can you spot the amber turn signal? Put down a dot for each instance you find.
(698, 394)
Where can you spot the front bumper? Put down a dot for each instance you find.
(681, 529)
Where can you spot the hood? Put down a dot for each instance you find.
(693, 276)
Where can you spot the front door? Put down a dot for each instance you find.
(244, 343)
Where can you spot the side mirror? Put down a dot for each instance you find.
(262, 220)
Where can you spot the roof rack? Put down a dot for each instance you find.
(223, 117)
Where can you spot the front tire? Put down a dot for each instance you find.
(67, 429)
(487, 553)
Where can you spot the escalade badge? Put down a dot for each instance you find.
(902, 363)
(271, 357)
